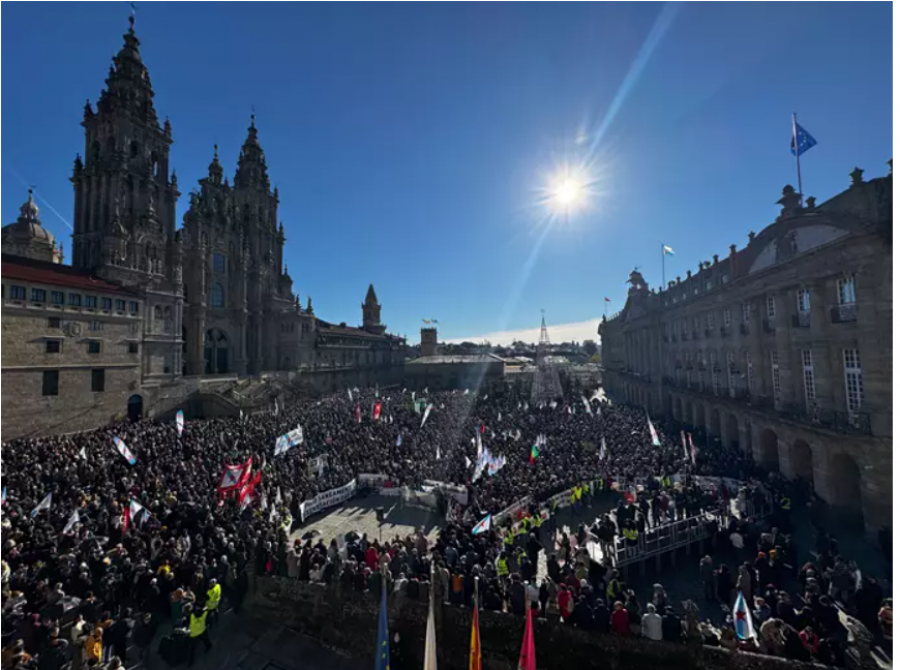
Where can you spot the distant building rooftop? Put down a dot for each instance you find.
(456, 359)
(19, 268)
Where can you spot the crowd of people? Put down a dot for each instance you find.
(154, 543)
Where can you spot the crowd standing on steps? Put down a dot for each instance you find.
(100, 554)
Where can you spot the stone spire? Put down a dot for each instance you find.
(215, 168)
(252, 168)
(128, 85)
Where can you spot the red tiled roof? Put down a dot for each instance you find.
(41, 272)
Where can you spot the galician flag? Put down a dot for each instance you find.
(668, 251)
(743, 622)
(693, 450)
(602, 448)
(426, 415)
(482, 526)
(124, 450)
(70, 524)
(382, 644)
(136, 509)
(44, 505)
(179, 420)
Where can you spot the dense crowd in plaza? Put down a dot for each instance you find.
(155, 544)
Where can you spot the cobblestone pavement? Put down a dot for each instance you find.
(359, 514)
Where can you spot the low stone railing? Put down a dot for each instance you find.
(347, 622)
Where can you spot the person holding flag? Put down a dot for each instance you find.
(475, 638)
(382, 646)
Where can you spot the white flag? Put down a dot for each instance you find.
(468, 463)
(427, 413)
(263, 503)
(499, 417)
(43, 505)
(179, 421)
(70, 524)
(135, 509)
(350, 394)
(278, 496)
(83, 454)
(438, 453)
(467, 392)
(430, 638)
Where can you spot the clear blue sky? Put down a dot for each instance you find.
(408, 140)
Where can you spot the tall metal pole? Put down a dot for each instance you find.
(662, 251)
(797, 154)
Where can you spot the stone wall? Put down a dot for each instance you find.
(349, 625)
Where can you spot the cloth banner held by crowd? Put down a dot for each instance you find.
(124, 450)
(327, 499)
(289, 440)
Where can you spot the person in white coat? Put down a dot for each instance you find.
(651, 624)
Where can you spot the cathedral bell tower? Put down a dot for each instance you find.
(372, 313)
(124, 201)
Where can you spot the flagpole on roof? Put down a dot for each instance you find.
(797, 152)
(662, 251)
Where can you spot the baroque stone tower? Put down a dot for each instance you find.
(237, 284)
(372, 313)
(124, 220)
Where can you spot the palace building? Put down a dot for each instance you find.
(782, 348)
(210, 301)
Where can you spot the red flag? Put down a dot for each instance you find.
(606, 300)
(482, 429)
(247, 490)
(527, 660)
(475, 648)
(234, 477)
(126, 519)
(358, 414)
(376, 411)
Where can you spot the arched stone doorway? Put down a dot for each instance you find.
(135, 407)
(715, 423)
(768, 449)
(215, 352)
(732, 435)
(802, 460)
(844, 481)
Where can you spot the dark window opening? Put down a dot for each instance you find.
(98, 381)
(50, 384)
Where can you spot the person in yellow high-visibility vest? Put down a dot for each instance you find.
(213, 598)
(197, 632)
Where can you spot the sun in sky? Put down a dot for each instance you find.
(568, 190)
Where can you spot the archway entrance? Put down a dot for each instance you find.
(215, 352)
(846, 493)
(769, 449)
(715, 423)
(135, 407)
(802, 460)
(732, 435)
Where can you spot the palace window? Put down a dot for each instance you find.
(710, 320)
(218, 295)
(803, 301)
(776, 377)
(38, 295)
(98, 381)
(90, 301)
(51, 346)
(770, 307)
(745, 312)
(846, 288)
(809, 380)
(50, 383)
(749, 372)
(120, 305)
(95, 326)
(729, 361)
(75, 300)
(57, 297)
(106, 304)
(726, 317)
(853, 379)
(94, 347)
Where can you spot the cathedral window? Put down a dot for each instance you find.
(219, 262)
(218, 295)
(135, 148)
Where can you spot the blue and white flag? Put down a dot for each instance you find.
(179, 420)
(399, 439)
(802, 139)
(482, 526)
(44, 505)
(602, 448)
(668, 251)
(70, 524)
(124, 450)
(743, 622)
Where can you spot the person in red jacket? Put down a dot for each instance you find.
(810, 640)
(618, 620)
(371, 558)
(565, 602)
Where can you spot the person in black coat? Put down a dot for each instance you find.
(144, 632)
(672, 629)
(601, 616)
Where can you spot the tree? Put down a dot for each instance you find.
(590, 347)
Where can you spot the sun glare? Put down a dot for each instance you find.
(567, 192)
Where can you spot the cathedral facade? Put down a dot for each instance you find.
(212, 299)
